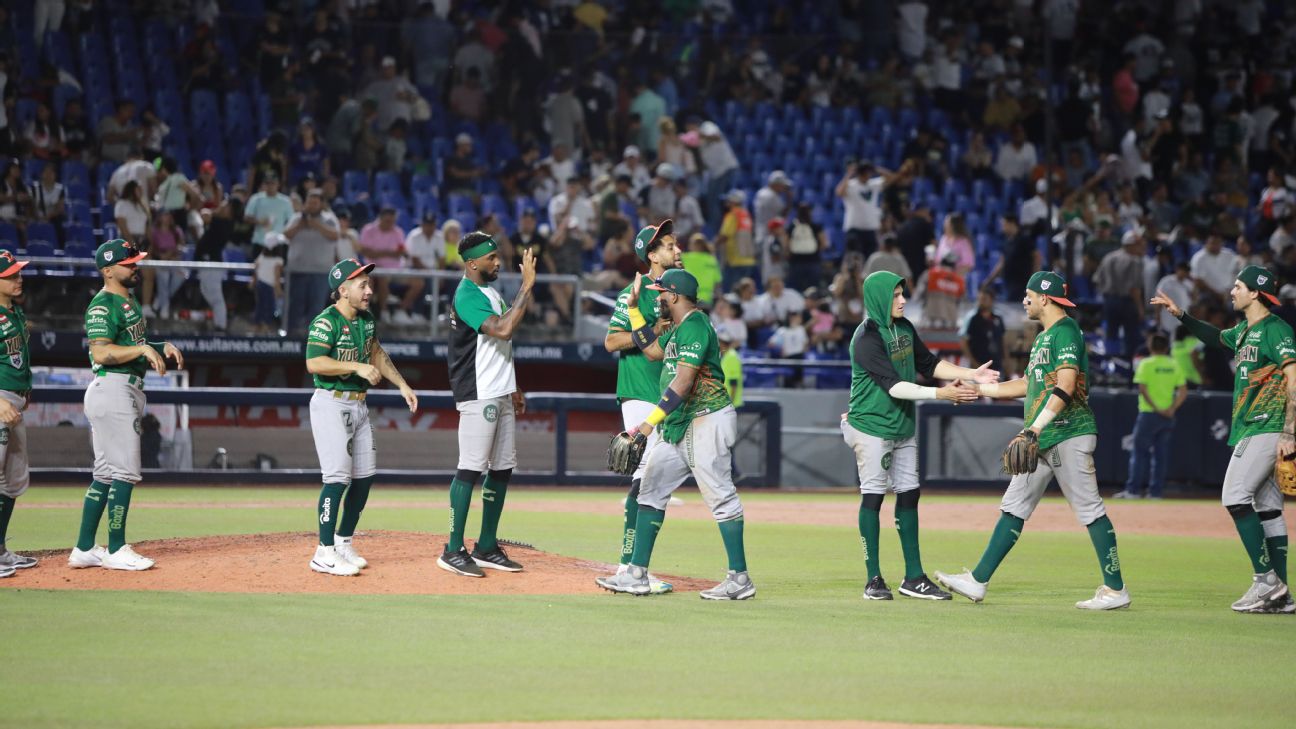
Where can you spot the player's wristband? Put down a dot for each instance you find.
(643, 337)
(670, 400)
(1062, 395)
(636, 318)
(1043, 419)
(989, 389)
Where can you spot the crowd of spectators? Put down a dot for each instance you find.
(1128, 145)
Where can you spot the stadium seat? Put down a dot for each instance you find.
(78, 213)
(79, 250)
(494, 205)
(41, 231)
(355, 185)
(40, 248)
(460, 204)
(78, 233)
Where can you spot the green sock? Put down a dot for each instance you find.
(732, 533)
(906, 521)
(647, 524)
(1278, 555)
(631, 516)
(92, 509)
(1005, 535)
(119, 495)
(460, 501)
(330, 503)
(353, 504)
(1103, 536)
(1253, 539)
(494, 488)
(6, 513)
(870, 529)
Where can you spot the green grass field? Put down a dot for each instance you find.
(807, 647)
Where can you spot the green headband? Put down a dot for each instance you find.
(480, 249)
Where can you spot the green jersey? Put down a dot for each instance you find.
(638, 378)
(332, 335)
(119, 320)
(15, 370)
(692, 342)
(1259, 389)
(1060, 347)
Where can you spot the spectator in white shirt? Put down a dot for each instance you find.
(1179, 287)
(1017, 158)
(912, 29)
(572, 203)
(1284, 236)
(632, 165)
(781, 300)
(861, 191)
(720, 165)
(1034, 210)
(688, 211)
(1215, 267)
(755, 309)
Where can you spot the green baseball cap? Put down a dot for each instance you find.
(345, 271)
(10, 265)
(677, 281)
(118, 252)
(1051, 285)
(1258, 278)
(651, 234)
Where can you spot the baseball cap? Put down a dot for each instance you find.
(737, 197)
(631, 151)
(666, 171)
(1130, 237)
(1051, 285)
(778, 177)
(677, 281)
(118, 252)
(388, 61)
(9, 264)
(347, 270)
(709, 129)
(429, 216)
(651, 234)
(387, 208)
(1258, 278)
(463, 138)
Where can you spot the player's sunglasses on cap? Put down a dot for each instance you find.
(1260, 279)
(347, 270)
(677, 281)
(10, 265)
(650, 235)
(1051, 285)
(118, 252)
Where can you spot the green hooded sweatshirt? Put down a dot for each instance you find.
(883, 352)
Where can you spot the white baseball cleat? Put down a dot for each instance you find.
(6, 572)
(343, 548)
(92, 557)
(656, 586)
(126, 558)
(328, 562)
(1264, 588)
(963, 584)
(1106, 599)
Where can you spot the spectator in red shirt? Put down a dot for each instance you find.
(1125, 89)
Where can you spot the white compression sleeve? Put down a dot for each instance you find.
(911, 391)
(1043, 419)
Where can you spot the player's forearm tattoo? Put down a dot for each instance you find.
(523, 298)
(1289, 423)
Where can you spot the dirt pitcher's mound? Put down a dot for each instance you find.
(400, 563)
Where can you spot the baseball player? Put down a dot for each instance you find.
(698, 429)
(1264, 420)
(346, 359)
(886, 356)
(487, 398)
(120, 354)
(15, 390)
(1058, 442)
(638, 377)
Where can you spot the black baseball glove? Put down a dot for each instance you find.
(1022, 454)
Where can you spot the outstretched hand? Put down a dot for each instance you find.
(1162, 300)
(983, 375)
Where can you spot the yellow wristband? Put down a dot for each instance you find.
(636, 318)
(655, 417)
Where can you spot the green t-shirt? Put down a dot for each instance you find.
(1182, 352)
(332, 335)
(1259, 392)
(1162, 376)
(638, 378)
(706, 269)
(120, 321)
(692, 342)
(731, 365)
(15, 370)
(1061, 347)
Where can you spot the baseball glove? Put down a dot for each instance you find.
(1022, 453)
(625, 452)
(1285, 475)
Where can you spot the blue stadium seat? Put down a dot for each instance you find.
(459, 204)
(41, 231)
(31, 170)
(388, 184)
(424, 201)
(75, 173)
(78, 213)
(355, 185)
(40, 248)
(495, 205)
(78, 233)
(79, 249)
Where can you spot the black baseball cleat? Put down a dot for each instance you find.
(877, 589)
(495, 559)
(923, 589)
(459, 563)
